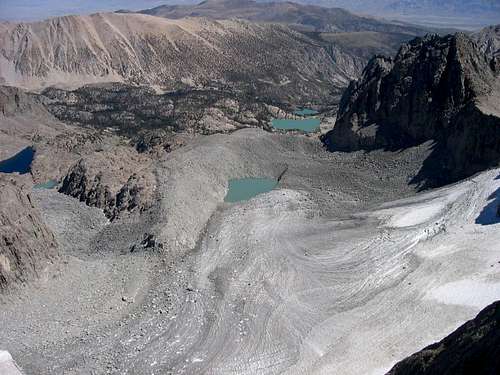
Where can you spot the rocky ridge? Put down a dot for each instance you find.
(118, 180)
(27, 245)
(436, 88)
(488, 40)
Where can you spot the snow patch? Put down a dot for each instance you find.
(5, 356)
(471, 293)
(415, 215)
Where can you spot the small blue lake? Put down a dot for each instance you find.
(20, 163)
(242, 189)
(51, 184)
(308, 125)
(306, 112)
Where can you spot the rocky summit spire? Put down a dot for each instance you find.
(436, 88)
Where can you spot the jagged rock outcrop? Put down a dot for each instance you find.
(488, 40)
(129, 196)
(92, 191)
(156, 142)
(27, 245)
(436, 88)
(474, 348)
(117, 181)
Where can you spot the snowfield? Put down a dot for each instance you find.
(285, 291)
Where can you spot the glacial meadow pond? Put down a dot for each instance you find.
(306, 123)
(51, 184)
(242, 189)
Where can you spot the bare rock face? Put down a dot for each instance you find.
(117, 181)
(474, 348)
(437, 88)
(26, 243)
(488, 40)
(90, 190)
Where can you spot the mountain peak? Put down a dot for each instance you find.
(437, 88)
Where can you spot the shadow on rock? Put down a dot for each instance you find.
(491, 212)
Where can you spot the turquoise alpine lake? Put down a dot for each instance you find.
(306, 112)
(242, 189)
(51, 184)
(308, 125)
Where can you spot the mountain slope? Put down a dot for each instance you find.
(440, 88)
(74, 50)
(303, 17)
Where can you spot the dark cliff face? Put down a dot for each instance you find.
(26, 243)
(436, 88)
(104, 188)
(78, 184)
(474, 348)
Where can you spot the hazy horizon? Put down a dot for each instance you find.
(31, 10)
